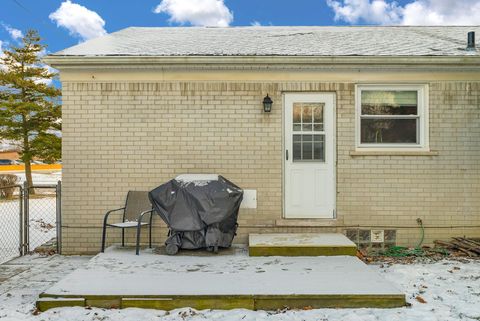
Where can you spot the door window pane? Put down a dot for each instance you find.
(308, 117)
(308, 147)
(297, 117)
(306, 113)
(297, 151)
(318, 113)
(297, 147)
(318, 147)
(297, 113)
(307, 127)
(307, 144)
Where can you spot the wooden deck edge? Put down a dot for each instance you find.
(222, 302)
(43, 304)
(273, 302)
(302, 251)
(200, 302)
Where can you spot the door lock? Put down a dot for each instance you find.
(286, 153)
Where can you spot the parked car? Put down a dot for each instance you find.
(6, 162)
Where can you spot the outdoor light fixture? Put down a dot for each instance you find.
(267, 104)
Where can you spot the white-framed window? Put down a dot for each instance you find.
(391, 117)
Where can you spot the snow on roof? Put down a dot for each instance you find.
(280, 41)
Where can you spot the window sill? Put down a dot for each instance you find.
(393, 153)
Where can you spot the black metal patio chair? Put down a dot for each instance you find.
(137, 205)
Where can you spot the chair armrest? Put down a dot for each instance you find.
(140, 217)
(111, 211)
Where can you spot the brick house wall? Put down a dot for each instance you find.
(119, 136)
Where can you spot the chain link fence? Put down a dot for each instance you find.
(29, 218)
(11, 222)
(41, 212)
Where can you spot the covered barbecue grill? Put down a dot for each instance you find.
(200, 210)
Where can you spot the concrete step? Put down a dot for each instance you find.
(300, 244)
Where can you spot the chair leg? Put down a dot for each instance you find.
(104, 234)
(139, 229)
(123, 237)
(150, 232)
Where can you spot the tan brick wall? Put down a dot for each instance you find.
(122, 136)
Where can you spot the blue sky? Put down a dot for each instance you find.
(119, 14)
(63, 23)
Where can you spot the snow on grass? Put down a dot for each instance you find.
(42, 224)
(450, 288)
(40, 178)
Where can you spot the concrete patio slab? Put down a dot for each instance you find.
(300, 244)
(118, 278)
(8, 271)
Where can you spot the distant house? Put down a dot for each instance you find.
(371, 128)
(9, 154)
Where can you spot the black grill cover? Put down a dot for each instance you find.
(200, 210)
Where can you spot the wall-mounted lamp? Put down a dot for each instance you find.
(267, 104)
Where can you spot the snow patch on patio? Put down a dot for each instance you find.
(120, 272)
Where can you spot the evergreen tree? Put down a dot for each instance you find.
(30, 110)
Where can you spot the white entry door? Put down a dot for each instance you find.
(309, 155)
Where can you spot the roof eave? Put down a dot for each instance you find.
(81, 62)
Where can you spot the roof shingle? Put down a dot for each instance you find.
(279, 41)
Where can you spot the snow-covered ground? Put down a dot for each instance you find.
(42, 224)
(450, 290)
(40, 178)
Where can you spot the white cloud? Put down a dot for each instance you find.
(2, 67)
(376, 11)
(442, 12)
(42, 65)
(80, 21)
(417, 12)
(14, 33)
(47, 82)
(196, 12)
(255, 23)
(49, 69)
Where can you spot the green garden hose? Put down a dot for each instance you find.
(401, 251)
(422, 229)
